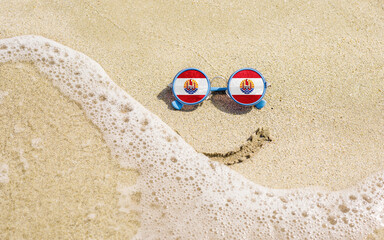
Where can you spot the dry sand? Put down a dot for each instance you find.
(325, 112)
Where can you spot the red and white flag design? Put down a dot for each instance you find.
(191, 86)
(246, 86)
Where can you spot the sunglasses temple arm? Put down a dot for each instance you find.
(218, 89)
(177, 105)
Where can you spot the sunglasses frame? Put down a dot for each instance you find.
(178, 74)
(247, 104)
(178, 103)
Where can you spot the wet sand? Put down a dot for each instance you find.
(62, 179)
(324, 115)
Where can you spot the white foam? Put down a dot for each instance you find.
(91, 216)
(18, 128)
(181, 193)
(3, 94)
(4, 173)
(36, 143)
(23, 160)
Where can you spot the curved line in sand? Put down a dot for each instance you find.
(248, 149)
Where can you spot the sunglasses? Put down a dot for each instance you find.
(246, 87)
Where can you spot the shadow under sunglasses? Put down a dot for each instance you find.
(219, 99)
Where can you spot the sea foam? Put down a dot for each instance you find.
(3, 94)
(4, 173)
(180, 193)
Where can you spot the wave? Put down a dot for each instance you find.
(182, 194)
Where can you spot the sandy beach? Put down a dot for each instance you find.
(322, 126)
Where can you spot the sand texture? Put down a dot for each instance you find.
(62, 180)
(323, 125)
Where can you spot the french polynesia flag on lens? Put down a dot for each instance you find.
(246, 86)
(191, 86)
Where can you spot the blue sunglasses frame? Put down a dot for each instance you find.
(178, 104)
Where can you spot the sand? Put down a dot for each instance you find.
(324, 115)
(62, 179)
